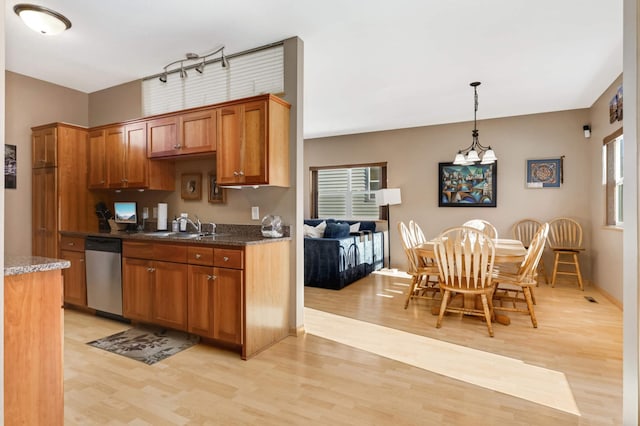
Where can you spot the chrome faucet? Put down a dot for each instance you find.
(197, 224)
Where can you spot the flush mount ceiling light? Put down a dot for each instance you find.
(190, 59)
(42, 20)
(471, 154)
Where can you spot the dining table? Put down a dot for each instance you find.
(507, 251)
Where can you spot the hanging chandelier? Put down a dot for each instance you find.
(472, 153)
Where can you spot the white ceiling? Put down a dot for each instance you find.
(369, 64)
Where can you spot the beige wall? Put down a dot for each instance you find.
(413, 156)
(115, 104)
(30, 102)
(606, 252)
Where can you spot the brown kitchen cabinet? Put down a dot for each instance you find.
(191, 134)
(127, 162)
(61, 200)
(97, 160)
(137, 289)
(253, 142)
(215, 301)
(33, 349)
(44, 212)
(154, 286)
(44, 147)
(74, 277)
(238, 296)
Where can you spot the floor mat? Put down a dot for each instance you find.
(146, 344)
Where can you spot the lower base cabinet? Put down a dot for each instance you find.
(155, 292)
(238, 296)
(33, 349)
(215, 303)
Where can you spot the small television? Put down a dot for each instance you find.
(125, 212)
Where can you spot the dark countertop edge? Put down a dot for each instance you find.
(18, 265)
(223, 240)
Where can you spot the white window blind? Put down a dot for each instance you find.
(613, 178)
(347, 193)
(249, 74)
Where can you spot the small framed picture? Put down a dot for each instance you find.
(191, 186)
(544, 173)
(216, 194)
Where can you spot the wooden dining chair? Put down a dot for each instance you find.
(424, 275)
(524, 230)
(416, 232)
(517, 288)
(465, 261)
(482, 225)
(565, 239)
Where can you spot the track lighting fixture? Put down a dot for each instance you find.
(42, 20)
(192, 57)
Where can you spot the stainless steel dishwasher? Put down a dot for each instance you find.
(104, 274)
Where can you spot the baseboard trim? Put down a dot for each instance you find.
(608, 296)
(297, 332)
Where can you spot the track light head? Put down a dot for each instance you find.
(223, 60)
(200, 68)
(163, 77)
(183, 73)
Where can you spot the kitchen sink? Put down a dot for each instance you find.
(179, 235)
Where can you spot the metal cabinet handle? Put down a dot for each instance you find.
(151, 269)
(211, 277)
(81, 260)
(235, 173)
(226, 259)
(198, 255)
(102, 181)
(71, 244)
(241, 173)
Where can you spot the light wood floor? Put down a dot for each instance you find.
(310, 380)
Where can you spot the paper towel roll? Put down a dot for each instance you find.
(162, 217)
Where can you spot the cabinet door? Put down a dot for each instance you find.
(229, 145)
(162, 137)
(227, 305)
(253, 150)
(115, 153)
(43, 147)
(198, 132)
(75, 288)
(170, 294)
(97, 159)
(200, 300)
(44, 213)
(137, 288)
(136, 173)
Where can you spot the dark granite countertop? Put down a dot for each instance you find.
(17, 265)
(226, 235)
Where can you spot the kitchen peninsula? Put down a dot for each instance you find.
(231, 288)
(33, 333)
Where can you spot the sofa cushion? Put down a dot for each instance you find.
(368, 225)
(315, 231)
(336, 230)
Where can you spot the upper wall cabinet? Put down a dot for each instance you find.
(190, 134)
(253, 142)
(118, 159)
(44, 148)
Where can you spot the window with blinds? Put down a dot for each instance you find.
(257, 72)
(613, 176)
(346, 193)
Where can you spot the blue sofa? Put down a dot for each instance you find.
(334, 262)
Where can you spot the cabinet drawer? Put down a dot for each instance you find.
(72, 243)
(198, 255)
(228, 258)
(156, 251)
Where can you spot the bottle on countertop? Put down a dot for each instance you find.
(174, 225)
